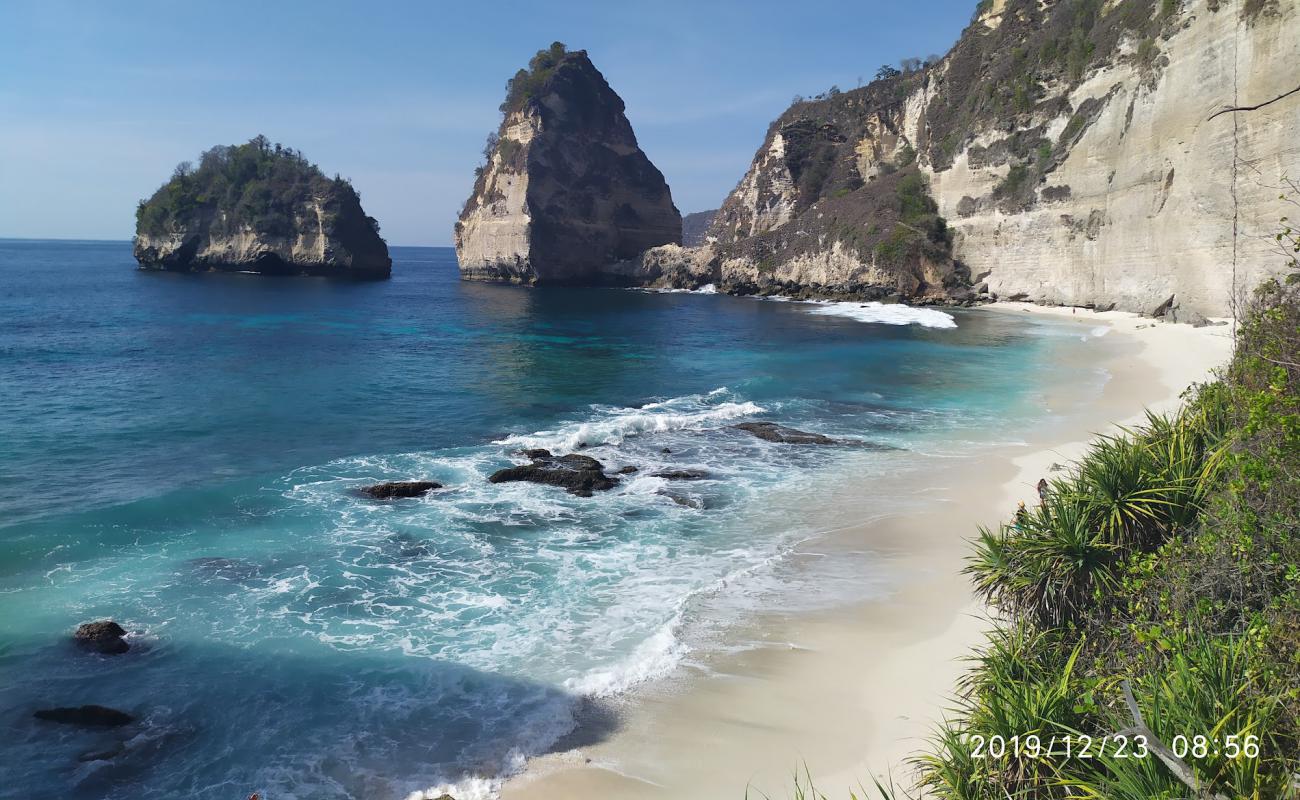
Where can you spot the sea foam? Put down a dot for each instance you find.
(885, 313)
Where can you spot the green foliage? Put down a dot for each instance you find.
(527, 82)
(1169, 556)
(257, 184)
(920, 231)
(1016, 179)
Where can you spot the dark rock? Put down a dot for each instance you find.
(983, 288)
(399, 489)
(1106, 307)
(580, 475)
(535, 453)
(104, 636)
(665, 450)
(1163, 308)
(1018, 297)
(681, 474)
(86, 716)
(628, 470)
(587, 194)
(772, 432)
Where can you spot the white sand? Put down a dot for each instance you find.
(852, 693)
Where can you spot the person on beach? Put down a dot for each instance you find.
(1022, 514)
(1042, 491)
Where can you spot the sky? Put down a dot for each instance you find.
(100, 101)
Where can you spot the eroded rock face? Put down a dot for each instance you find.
(1088, 174)
(566, 190)
(259, 208)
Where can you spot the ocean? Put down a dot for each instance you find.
(181, 454)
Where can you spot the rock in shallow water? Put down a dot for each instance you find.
(104, 637)
(398, 489)
(87, 716)
(681, 474)
(772, 432)
(579, 474)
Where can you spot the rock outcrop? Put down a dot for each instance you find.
(261, 208)
(579, 474)
(1077, 152)
(772, 432)
(566, 190)
(394, 490)
(103, 637)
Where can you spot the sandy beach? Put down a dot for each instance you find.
(850, 693)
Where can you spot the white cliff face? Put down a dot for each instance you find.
(765, 198)
(317, 247)
(1155, 199)
(492, 237)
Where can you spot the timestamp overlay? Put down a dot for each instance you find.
(1115, 746)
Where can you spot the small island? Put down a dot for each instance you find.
(259, 208)
(565, 191)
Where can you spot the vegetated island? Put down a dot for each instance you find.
(263, 208)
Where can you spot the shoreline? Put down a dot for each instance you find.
(849, 694)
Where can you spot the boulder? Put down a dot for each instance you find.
(628, 470)
(399, 489)
(86, 716)
(580, 475)
(681, 474)
(104, 637)
(1163, 308)
(772, 432)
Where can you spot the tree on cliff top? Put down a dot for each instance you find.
(257, 184)
(526, 82)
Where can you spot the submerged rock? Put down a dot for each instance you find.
(399, 489)
(772, 432)
(681, 474)
(566, 190)
(579, 474)
(261, 208)
(86, 716)
(104, 637)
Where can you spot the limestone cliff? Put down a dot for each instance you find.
(566, 190)
(258, 208)
(1072, 146)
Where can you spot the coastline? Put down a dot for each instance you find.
(850, 693)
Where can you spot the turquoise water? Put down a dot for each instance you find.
(180, 453)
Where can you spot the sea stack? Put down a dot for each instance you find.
(566, 191)
(261, 208)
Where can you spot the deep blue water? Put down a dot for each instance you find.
(180, 453)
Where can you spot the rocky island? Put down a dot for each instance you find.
(261, 208)
(566, 190)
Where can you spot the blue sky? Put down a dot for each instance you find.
(99, 101)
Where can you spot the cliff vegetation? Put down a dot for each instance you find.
(257, 184)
